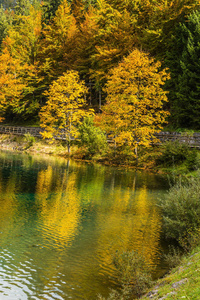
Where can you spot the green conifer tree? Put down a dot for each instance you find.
(184, 63)
(49, 9)
(22, 7)
(6, 19)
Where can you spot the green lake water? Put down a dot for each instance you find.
(61, 222)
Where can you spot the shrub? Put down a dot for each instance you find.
(181, 210)
(190, 240)
(174, 256)
(92, 137)
(175, 153)
(29, 139)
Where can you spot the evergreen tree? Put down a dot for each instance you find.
(184, 63)
(22, 7)
(8, 3)
(77, 7)
(115, 39)
(6, 19)
(59, 42)
(49, 9)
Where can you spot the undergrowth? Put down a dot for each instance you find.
(181, 211)
(175, 154)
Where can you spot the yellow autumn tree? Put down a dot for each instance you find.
(23, 40)
(134, 103)
(12, 84)
(59, 42)
(65, 107)
(115, 38)
(23, 44)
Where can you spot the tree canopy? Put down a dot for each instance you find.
(12, 84)
(92, 38)
(134, 102)
(184, 63)
(65, 107)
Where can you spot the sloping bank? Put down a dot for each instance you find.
(31, 144)
(183, 282)
(181, 222)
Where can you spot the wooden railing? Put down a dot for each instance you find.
(192, 140)
(19, 130)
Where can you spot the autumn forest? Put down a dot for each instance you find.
(129, 67)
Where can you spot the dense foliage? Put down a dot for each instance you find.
(181, 210)
(46, 39)
(92, 137)
(64, 108)
(174, 154)
(184, 63)
(134, 107)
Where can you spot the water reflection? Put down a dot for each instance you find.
(61, 222)
(59, 212)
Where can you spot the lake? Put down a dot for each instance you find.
(62, 221)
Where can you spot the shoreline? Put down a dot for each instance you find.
(182, 282)
(23, 144)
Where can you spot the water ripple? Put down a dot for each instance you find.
(61, 223)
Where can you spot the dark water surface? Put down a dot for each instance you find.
(62, 221)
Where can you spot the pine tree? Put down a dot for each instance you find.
(116, 37)
(22, 7)
(49, 8)
(77, 7)
(6, 20)
(184, 63)
(8, 4)
(59, 41)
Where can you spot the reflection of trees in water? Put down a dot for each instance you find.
(44, 183)
(114, 212)
(8, 203)
(90, 184)
(60, 210)
(147, 227)
(60, 217)
(60, 195)
(130, 223)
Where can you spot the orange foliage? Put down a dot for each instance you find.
(12, 84)
(65, 106)
(134, 107)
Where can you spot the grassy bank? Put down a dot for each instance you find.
(109, 156)
(181, 222)
(180, 213)
(183, 282)
(29, 144)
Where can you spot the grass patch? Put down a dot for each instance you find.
(183, 282)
